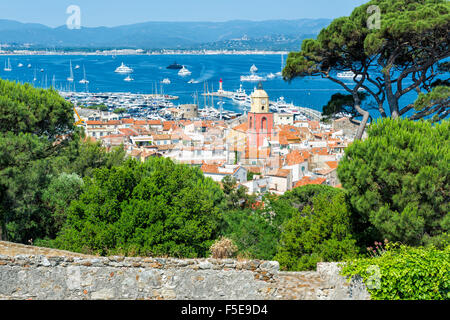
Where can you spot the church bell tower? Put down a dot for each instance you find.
(260, 119)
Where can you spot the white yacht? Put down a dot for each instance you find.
(271, 76)
(77, 67)
(348, 75)
(240, 96)
(252, 78)
(29, 65)
(128, 79)
(253, 69)
(184, 72)
(20, 65)
(281, 106)
(166, 81)
(124, 69)
(8, 66)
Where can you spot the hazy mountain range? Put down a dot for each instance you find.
(165, 35)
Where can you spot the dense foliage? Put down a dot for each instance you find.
(154, 208)
(319, 232)
(38, 143)
(304, 226)
(405, 273)
(398, 182)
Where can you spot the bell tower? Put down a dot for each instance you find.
(260, 119)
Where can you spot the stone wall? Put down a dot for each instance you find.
(49, 275)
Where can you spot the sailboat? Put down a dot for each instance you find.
(84, 80)
(34, 79)
(70, 78)
(8, 66)
(279, 74)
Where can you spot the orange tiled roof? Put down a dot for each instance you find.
(154, 122)
(332, 164)
(284, 173)
(128, 132)
(243, 127)
(210, 168)
(93, 122)
(127, 121)
(307, 180)
(294, 157)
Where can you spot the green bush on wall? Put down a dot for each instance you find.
(405, 273)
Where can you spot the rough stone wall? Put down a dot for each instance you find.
(45, 274)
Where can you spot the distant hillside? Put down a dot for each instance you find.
(159, 35)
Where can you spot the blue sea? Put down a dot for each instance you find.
(150, 70)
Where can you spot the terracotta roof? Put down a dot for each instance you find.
(243, 127)
(127, 121)
(332, 164)
(294, 157)
(113, 122)
(93, 122)
(210, 168)
(283, 173)
(154, 122)
(128, 132)
(307, 180)
(162, 137)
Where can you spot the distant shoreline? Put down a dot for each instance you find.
(126, 52)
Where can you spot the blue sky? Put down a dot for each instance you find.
(113, 12)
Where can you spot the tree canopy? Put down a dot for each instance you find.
(389, 61)
(154, 208)
(39, 143)
(398, 182)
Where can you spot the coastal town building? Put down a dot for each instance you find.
(262, 150)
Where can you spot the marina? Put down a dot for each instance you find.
(172, 80)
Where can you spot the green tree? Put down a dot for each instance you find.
(39, 142)
(321, 232)
(34, 127)
(61, 191)
(398, 182)
(153, 208)
(400, 57)
(120, 110)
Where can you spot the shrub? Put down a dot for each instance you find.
(321, 232)
(223, 248)
(154, 208)
(405, 273)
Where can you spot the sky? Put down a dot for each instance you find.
(95, 13)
